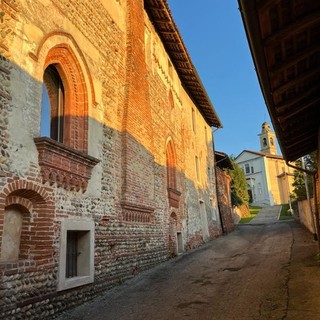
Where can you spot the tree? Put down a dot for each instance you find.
(239, 190)
(299, 190)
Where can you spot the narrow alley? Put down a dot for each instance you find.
(264, 270)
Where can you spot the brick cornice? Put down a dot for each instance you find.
(137, 213)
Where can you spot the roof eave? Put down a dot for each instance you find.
(248, 13)
(201, 99)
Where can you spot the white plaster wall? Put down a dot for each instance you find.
(24, 122)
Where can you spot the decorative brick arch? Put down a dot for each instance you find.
(171, 163)
(53, 39)
(76, 95)
(171, 166)
(173, 217)
(25, 189)
(26, 204)
(35, 205)
(62, 51)
(171, 101)
(64, 160)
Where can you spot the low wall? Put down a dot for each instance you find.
(304, 214)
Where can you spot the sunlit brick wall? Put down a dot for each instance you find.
(136, 104)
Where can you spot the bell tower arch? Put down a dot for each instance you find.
(267, 139)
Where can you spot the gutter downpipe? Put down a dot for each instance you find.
(315, 197)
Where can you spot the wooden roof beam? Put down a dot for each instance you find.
(305, 142)
(168, 32)
(298, 110)
(301, 78)
(294, 60)
(292, 29)
(296, 100)
(305, 139)
(293, 130)
(262, 5)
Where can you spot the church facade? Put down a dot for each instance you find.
(106, 158)
(269, 179)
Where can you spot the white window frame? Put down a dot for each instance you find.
(87, 250)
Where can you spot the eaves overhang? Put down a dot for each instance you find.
(284, 42)
(161, 17)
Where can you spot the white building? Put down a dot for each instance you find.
(268, 177)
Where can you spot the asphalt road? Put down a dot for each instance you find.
(248, 274)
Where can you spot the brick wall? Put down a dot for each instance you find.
(135, 107)
(224, 199)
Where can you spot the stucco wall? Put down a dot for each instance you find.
(305, 216)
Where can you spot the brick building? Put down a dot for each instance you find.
(106, 159)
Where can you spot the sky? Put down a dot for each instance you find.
(213, 33)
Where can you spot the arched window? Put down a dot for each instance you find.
(173, 193)
(264, 142)
(271, 141)
(64, 115)
(53, 105)
(197, 168)
(171, 166)
(171, 101)
(67, 92)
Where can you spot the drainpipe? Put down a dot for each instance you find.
(315, 197)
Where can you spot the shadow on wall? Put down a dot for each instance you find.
(45, 184)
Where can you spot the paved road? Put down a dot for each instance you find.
(260, 271)
(267, 215)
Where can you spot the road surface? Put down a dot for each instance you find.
(248, 274)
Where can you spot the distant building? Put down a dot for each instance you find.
(269, 178)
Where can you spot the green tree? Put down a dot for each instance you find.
(299, 190)
(239, 191)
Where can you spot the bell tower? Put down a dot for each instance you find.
(267, 139)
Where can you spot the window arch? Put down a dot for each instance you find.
(171, 166)
(271, 141)
(171, 101)
(21, 212)
(65, 93)
(67, 89)
(264, 142)
(53, 105)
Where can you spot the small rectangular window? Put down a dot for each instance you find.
(76, 261)
(247, 168)
(252, 170)
(197, 168)
(193, 121)
(206, 135)
(72, 254)
(170, 71)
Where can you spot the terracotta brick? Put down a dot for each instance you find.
(143, 192)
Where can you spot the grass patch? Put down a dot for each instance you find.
(253, 212)
(284, 214)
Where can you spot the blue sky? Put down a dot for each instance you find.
(213, 33)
